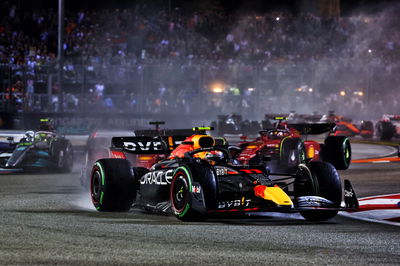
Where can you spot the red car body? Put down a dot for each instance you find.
(271, 143)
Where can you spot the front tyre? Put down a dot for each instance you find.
(180, 195)
(112, 186)
(337, 151)
(324, 182)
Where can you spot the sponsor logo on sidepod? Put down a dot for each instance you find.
(161, 178)
(234, 203)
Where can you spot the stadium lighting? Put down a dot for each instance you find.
(217, 87)
(217, 90)
(358, 93)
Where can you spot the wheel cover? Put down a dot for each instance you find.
(179, 193)
(96, 186)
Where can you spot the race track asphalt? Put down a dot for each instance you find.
(48, 219)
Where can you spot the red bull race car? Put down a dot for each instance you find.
(288, 145)
(200, 180)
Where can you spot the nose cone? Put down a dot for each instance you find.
(274, 194)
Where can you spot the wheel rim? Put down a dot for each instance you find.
(95, 186)
(179, 193)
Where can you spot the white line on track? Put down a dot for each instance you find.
(379, 215)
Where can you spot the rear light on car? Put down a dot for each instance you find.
(118, 155)
(145, 158)
(311, 152)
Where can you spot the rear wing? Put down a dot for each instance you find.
(147, 144)
(168, 132)
(274, 116)
(392, 117)
(313, 128)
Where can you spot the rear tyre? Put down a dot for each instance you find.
(180, 196)
(337, 151)
(367, 129)
(266, 124)
(385, 130)
(68, 162)
(324, 181)
(292, 154)
(112, 186)
(64, 155)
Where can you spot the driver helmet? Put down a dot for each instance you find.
(41, 137)
(29, 135)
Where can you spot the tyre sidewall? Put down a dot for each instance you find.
(183, 176)
(116, 185)
(337, 151)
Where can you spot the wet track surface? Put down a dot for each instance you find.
(48, 219)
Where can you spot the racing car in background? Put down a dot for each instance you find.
(6, 149)
(346, 127)
(288, 145)
(235, 125)
(270, 121)
(200, 180)
(388, 127)
(40, 150)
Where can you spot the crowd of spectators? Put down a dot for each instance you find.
(181, 52)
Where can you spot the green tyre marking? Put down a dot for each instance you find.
(102, 181)
(281, 147)
(102, 172)
(101, 197)
(183, 213)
